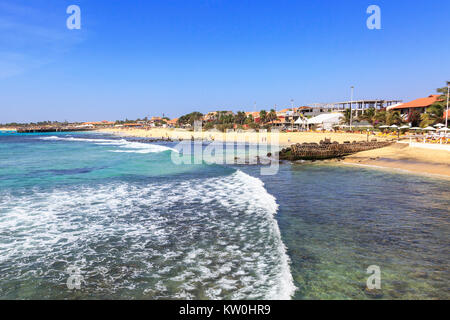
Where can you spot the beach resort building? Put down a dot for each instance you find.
(133, 125)
(284, 112)
(172, 123)
(307, 111)
(255, 116)
(358, 106)
(420, 105)
(325, 121)
(97, 124)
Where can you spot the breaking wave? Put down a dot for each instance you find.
(213, 238)
(124, 145)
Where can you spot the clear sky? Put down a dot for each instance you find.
(141, 58)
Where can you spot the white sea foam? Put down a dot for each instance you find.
(124, 145)
(152, 240)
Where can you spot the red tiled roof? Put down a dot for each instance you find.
(173, 121)
(419, 103)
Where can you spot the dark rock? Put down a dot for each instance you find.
(313, 151)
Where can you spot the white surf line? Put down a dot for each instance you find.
(286, 278)
(136, 147)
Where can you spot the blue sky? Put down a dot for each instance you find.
(140, 58)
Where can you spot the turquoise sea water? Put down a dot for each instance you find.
(138, 226)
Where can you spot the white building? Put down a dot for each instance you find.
(325, 121)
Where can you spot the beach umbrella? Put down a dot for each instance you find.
(394, 126)
(383, 127)
(429, 129)
(415, 128)
(439, 125)
(404, 127)
(444, 129)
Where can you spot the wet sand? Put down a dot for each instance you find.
(402, 157)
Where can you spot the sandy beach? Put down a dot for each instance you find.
(402, 157)
(282, 138)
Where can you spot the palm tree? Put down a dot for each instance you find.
(240, 117)
(432, 115)
(272, 116)
(380, 117)
(368, 115)
(435, 112)
(249, 119)
(263, 116)
(393, 117)
(346, 119)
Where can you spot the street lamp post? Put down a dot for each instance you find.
(292, 114)
(351, 107)
(446, 114)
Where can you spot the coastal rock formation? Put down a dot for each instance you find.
(327, 150)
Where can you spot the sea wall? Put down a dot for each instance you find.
(327, 149)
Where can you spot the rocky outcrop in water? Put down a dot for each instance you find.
(328, 150)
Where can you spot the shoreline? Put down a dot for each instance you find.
(398, 156)
(283, 139)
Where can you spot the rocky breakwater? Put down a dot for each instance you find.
(328, 150)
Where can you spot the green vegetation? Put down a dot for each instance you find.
(220, 120)
(271, 116)
(435, 113)
(190, 118)
(378, 117)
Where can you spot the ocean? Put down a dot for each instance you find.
(126, 222)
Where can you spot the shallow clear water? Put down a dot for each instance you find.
(138, 226)
(337, 220)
